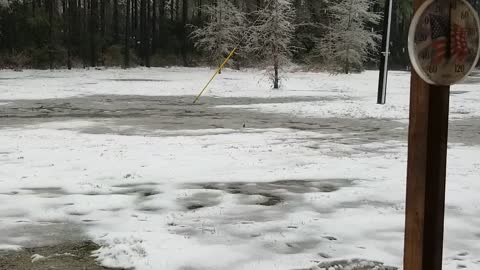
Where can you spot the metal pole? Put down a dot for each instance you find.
(215, 74)
(426, 173)
(382, 82)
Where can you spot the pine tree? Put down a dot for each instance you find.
(350, 39)
(272, 34)
(223, 32)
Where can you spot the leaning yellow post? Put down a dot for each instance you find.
(214, 75)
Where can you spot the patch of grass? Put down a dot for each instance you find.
(72, 256)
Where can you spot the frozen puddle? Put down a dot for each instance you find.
(355, 264)
(265, 194)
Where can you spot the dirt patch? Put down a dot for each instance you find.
(273, 191)
(271, 199)
(355, 264)
(72, 256)
(145, 116)
(195, 206)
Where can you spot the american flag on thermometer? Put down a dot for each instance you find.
(444, 37)
(459, 47)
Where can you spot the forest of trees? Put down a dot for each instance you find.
(89, 33)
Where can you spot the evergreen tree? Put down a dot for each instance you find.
(64, 33)
(270, 38)
(223, 32)
(350, 40)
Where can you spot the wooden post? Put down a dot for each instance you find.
(427, 158)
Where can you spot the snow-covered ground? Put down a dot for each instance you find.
(317, 174)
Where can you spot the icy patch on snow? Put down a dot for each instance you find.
(10, 247)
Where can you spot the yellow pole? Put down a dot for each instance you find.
(214, 75)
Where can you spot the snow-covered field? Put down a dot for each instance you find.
(317, 174)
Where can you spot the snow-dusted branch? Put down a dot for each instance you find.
(224, 30)
(349, 40)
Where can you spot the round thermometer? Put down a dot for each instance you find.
(443, 41)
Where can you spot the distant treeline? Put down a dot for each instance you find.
(89, 33)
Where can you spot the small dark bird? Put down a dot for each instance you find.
(244, 124)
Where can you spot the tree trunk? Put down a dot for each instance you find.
(116, 35)
(143, 47)
(220, 9)
(103, 19)
(50, 33)
(346, 43)
(135, 18)
(67, 18)
(93, 29)
(276, 63)
(184, 31)
(172, 10)
(144, 33)
(132, 17)
(137, 24)
(154, 27)
(161, 9)
(177, 10)
(147, 34)
(127, 37)
(200, 6)
(162, 19)
(84, 34)
(275, 79)
(347, 63)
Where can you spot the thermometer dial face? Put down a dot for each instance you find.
(444, 41)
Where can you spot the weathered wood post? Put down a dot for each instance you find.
(443, 48)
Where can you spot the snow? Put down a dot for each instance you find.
(230, 198)
(37, 257)
(350, 96)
